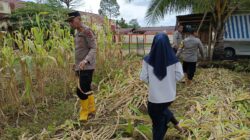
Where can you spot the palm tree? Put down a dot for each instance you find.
(221, 10)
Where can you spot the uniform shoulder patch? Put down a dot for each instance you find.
(89, 33)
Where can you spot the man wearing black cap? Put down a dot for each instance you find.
(189, 53)
(85, 60)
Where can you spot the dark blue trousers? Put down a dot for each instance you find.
(160, 116)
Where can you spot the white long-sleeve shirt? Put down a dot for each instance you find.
(165, 90)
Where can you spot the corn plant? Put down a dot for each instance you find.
(38, 50)
(10, 92)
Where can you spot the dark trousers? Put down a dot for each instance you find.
(85, 77)
(160, 116)
(175, 50)
(189, 68)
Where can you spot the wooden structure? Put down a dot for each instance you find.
(236, 36)
(202, 24)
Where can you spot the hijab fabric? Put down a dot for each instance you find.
(161, 55)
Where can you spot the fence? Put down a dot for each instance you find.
(139, 43)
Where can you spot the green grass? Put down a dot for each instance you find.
(45, 116)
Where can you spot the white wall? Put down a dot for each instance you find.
(4, 8)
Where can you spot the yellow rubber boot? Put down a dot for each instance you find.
(91, 100)
(84, 110)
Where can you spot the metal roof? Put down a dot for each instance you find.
(194, 20)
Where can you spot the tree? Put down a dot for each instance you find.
(59, 3)
(40, 1)
(134, 23)
(54, 3)
(109, 8)
(100, 12)
(72, 3)
(26, 17)
(122, 23)
(12, 4)
(221, 10)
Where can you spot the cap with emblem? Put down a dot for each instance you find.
(72, 15)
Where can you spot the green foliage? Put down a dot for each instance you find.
(221, 10)
(54, 3)
(25, 18)
(130, 128)
(145, 129)
(238, 66)
(36, 73)
(109, 8)
(158, 8)
(134, 23)
(71, 3)
(122, 23)
(39, 48)
(13, 133)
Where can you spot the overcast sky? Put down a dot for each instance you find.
(134, 10)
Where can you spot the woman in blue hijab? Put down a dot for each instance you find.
(161, 70)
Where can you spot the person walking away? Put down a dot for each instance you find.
(189, 54)
(85, 61)
(177, 38)
(161, 70)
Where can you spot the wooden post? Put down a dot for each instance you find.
(137, 45)
(204, 16)
(210, 41)
(129, 43)
(144, 37)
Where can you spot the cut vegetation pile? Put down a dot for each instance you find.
(216, 106)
